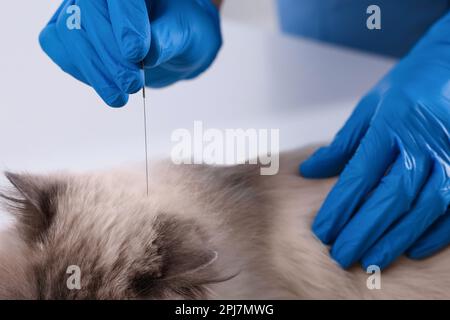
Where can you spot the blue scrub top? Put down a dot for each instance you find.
(343, 22)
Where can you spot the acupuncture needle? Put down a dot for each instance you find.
(145, 129)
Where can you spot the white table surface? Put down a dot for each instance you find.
(261, 79)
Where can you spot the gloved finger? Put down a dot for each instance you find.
(364, 171)
(169, 60)
(179, 36)
(330, 161)
(430, 205)
(127, 75)
(391, 199)
(167, 74)
(86, 59)
(162, 76)
(436, 238)
(168, 41)
(131, 26)
(54, 48)
(185, 40)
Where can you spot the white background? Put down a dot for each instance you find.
(261, 79)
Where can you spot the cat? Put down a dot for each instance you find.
(204, 232)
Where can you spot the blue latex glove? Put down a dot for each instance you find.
(177, 39)
(394, 154)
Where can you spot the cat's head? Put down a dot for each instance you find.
(81, 239)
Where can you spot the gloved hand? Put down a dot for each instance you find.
(393, 194)
(177, 39)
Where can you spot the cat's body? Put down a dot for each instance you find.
(203, 232)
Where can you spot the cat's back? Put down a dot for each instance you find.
(305, 263)
(278, 212)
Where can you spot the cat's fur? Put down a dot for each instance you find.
(203, 232)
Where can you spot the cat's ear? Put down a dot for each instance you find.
(186, 248)
(33, 202)
(188, 260)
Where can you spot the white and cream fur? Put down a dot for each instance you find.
(203, 232)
